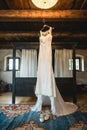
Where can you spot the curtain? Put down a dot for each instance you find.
(28, 63)
(61, 68)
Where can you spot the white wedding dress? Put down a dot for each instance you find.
(46, 89)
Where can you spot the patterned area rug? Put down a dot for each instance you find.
(14, 110)
(30, 126)
(79, 126)
(19, 117)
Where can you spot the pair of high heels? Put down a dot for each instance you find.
(44, 116)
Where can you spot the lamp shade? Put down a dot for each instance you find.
(44, 4)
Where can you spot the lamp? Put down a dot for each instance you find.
(44, 4)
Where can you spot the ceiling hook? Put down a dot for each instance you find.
(44, 21)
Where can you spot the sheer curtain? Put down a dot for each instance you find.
(61, 68)
(28, 63)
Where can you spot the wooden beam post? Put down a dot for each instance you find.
(74, 73)
(13, 76)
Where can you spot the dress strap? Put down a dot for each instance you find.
(49, 31)
(40, 33)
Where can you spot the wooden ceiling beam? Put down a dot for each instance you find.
(6, 45)
(20, 45)
(10, 36)
(27, 15)
(83, 4)
(35, 34)
(18, 34)
(3, 4)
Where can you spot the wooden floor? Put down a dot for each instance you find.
(6, 98)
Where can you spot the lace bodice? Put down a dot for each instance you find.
(46, 37)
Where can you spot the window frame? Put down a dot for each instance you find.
(7, 63)
(81, 66)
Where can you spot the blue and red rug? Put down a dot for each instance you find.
(19, 117)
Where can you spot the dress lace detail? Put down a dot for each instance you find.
(46, 86)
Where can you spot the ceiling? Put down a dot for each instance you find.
(21, 21)
(28, 5)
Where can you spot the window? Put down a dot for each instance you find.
(79, 63)
(10, 63)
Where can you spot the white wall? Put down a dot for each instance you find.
(82, 76)
(6, 76)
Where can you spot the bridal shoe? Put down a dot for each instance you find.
(47, 115)
(42, 117)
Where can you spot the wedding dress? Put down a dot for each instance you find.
(46, 89)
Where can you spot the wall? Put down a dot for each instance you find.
(6, 75)
(82, 76)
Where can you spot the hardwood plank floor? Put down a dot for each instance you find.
(6, 98)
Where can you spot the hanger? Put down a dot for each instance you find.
(46, 27)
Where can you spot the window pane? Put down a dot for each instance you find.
(77, 64)
(17, 64)
(10, 64)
